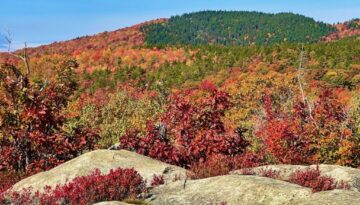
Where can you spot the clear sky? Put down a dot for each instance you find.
(44, 21)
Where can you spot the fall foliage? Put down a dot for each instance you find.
(208, 108)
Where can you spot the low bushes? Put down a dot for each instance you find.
(157, 180)
(312, 178)
(216, 165)
(115, 186)
(270, 173)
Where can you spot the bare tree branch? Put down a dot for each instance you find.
(24, 57)
(299, 76)
(8, 38)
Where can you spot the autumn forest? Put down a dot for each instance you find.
(210, 92)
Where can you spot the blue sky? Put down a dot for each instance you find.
(44, 21)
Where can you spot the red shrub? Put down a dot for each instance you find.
(283, 137)
(216, 165)
(32, 122)
(343, 185)
(249, 159)
(312, 178)
(151, 145)
(191, 130)
(157, 180)
(270, 173)
(321, 134)
(7, 180)
(96, 187)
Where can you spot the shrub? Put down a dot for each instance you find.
(270, 173)
(324, 135)
(216, 165)
(32, 117)
(117, 185)
(121, 113)
(191, 130)
(312, 178)
(7, 180)
(157, 180)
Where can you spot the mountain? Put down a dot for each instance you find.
(343, 30)
(208, 27)
(236, 28)
(125, 37)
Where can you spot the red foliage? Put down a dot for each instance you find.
(285, 142)
(191, 130)
(269, 173)
(304, 137)
(96, 187)
(7, 180)
(151, 145)
(249, 159)
(31, 121)
(312, 178)
(343, 31)
(216, 165)
(157, 180)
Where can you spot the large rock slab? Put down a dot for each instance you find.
(339, 173)
(334, 197)
(104, 160)
(112, 203)
(249, 190)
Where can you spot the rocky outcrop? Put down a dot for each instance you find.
(334, 197)
(112, 203)
(105, 160)
(232, 189)
(249, 190)
(339, 173)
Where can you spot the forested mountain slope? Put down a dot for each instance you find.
(343, 30)
(236, 28)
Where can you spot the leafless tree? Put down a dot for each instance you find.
(300, 74)
(24, 57)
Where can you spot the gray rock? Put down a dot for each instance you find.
(249, 190)
(339, 173)
(334, 197)
(105, 160)
(111, 203)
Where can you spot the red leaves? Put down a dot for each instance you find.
(284, 142)
(33, 135)
(157, 180)
(312, 178)
(191, 130)
(117, 185)
(216, 165)
(7, 180)
(319, 135)
(269, 173)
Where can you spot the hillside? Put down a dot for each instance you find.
(243, 28)
(125, 37)
(236, 28)
(343, 30)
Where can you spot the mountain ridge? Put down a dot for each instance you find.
(137, 35)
